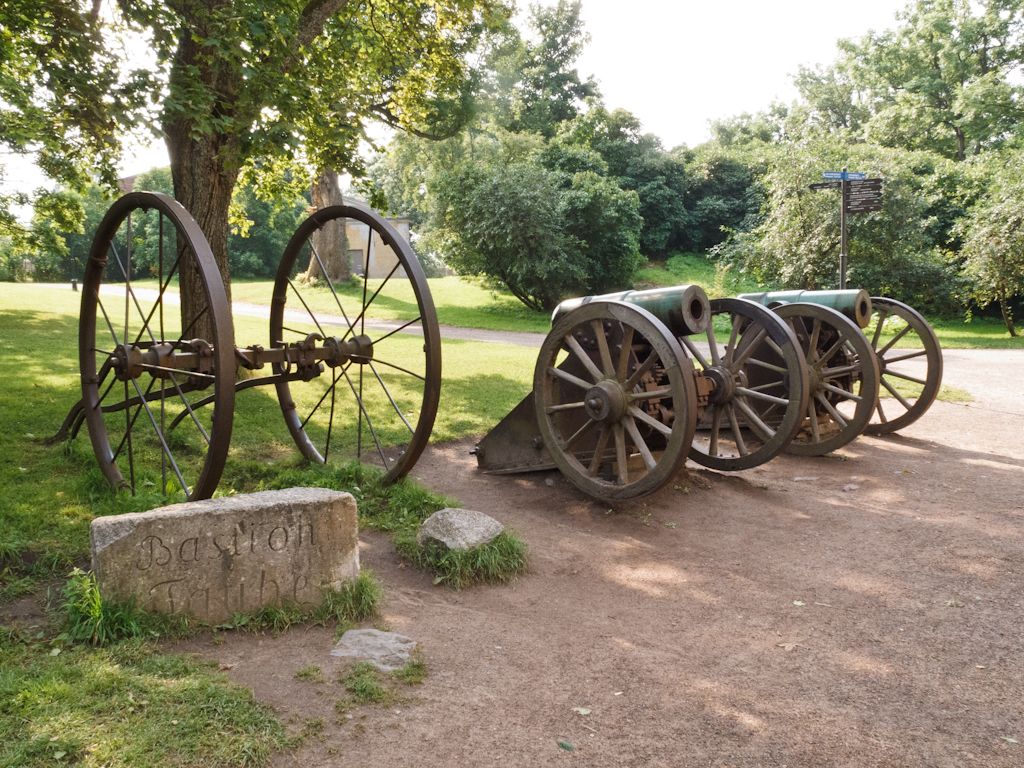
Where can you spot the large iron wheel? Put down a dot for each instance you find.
(143, 365)
(759, 379)
(614, 397)
(377, 405)
(910, 363)
(843, 378)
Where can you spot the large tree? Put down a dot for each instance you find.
(947, 79)
(270, 80)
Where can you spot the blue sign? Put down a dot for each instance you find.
(844, 175)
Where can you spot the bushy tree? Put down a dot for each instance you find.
(993, 238)
(637, 161)
(287, 81)
(543, 233)
(891, 251)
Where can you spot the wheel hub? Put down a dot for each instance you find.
(127, 362)
(358, 349)
(605, 401)
(724, 384)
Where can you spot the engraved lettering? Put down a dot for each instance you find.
(305, 526)
(153, 553)
(188, 551)
(282, 540)
(204, 595)
(264, 581)
(169, 596)
(299, 584)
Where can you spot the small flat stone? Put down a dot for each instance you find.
(851, 487)
(387, 651)
(459, 529)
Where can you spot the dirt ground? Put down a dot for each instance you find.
(863, 609)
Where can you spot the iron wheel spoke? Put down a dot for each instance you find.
(391, 399)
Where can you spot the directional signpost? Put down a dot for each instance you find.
(859, 195)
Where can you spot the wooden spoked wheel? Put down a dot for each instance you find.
(759, 378)
(843, 378)
(614, 397)
(147, 353)
(376, 399)
(909, 361)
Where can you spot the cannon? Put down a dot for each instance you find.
(858, 384)
(159, 364)
(628, 385)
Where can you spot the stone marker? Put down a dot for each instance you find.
(459, 529)
(214, 558)
(387, 651)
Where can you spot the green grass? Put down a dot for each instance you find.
(310, 673)
(498, 561)
(126, 705)
(693, 268)
(413, 673)
(365, 685)
(52, 491)
(459, 301)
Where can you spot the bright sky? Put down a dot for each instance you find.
(676, 64)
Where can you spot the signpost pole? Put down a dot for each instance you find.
(843, 240)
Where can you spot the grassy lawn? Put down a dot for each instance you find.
(459, 301)
(129, 704)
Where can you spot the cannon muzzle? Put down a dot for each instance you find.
(684, 309)
(855, 304)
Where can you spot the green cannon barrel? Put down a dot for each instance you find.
(684, 309)
(855, 304)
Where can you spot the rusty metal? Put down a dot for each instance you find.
(175, 389)
(684, 309)
(855, 304)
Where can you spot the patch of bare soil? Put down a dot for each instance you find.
(863, 609)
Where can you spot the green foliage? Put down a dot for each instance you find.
(498, 561)
(993, 233)
(547, 88)
(505, 221)
(65, 93)
(944, 80)
(544, 234)
(413, 673)
(353, 602)
(892, 252)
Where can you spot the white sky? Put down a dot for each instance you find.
(678, 65)
(675, 64)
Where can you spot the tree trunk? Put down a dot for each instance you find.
(203, 183)
(1007, 313)
(330, 243)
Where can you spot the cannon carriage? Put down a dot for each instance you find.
(626, 386)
